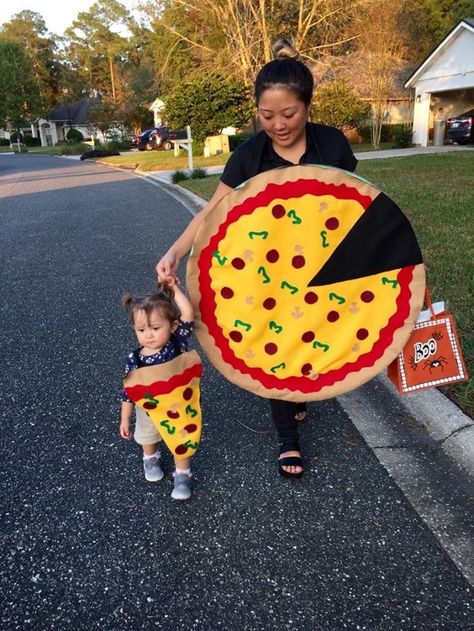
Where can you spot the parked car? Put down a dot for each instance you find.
(157, 138)
(460, 128)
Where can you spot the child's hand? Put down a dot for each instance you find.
(125, 429)
(172, 282)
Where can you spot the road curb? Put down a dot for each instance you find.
(446, 423)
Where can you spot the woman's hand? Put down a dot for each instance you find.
(167, 266)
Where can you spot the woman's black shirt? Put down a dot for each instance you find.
(324, 145)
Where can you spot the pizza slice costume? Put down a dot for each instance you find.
(306, 282)
(170, 394)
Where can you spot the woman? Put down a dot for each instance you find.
(283, 93)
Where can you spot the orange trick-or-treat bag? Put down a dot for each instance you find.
(432, 356)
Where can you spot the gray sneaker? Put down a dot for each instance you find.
(182, 486)
(153, 471)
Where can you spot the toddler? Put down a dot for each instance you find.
(163, 323)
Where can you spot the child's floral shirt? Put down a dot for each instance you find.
(179, 343)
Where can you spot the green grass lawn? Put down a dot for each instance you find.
(436, 192)
(161, 161)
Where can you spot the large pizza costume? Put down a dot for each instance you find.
(169, 393)
(306, 282)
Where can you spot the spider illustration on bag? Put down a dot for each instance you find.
(437, 362)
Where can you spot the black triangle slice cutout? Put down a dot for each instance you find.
(382, 240)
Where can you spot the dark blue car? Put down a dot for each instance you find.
(460, 128)
(157, 138)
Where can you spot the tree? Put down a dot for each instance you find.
(383, 49)
(106, 117)
(28, 29)
(209, 103)
(335, 104)
(96, 49)
(20, 99)
(237, 34)
(427, 22)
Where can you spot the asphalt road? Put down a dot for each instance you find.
(86, 543)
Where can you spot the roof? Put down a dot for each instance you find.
(74, 113)
(467, 23)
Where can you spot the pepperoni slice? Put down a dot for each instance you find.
(187, 394)
(269, 303)
(227, 293)
(180, 450)
(310, 298)
(332, 223)
(148, 405)
(333, 316)
(171, 414)
(362, 334)
(308, 336)
(367, 296)
(306, 369)
(190, 428)
(271, 348)
(272, 256)
(298, 261)
(278, 211)
(236, 336)
(238, 263)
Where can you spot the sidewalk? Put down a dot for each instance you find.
(423, 440)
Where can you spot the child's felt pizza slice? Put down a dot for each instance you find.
(169, 393)
(306, 282)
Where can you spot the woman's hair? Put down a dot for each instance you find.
(162, 299)
(285, 71)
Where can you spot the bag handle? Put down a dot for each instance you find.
(428, 302)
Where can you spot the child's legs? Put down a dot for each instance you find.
(182, 463)
(146, 433)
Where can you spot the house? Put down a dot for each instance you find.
(54, 128)
(444, 82)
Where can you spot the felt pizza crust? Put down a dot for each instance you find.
(170, 394)
(306, 282)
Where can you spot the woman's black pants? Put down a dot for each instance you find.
(283, 415)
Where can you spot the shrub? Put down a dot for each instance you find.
(336, 105)
(179, 176)
(32, 142)
(73, 150)
(389, 130)
(14, 137)
(4, 142)
(74, 136)
(402, 136)
(238, 139)
(198, 148)
(198, 173)
(116, 145)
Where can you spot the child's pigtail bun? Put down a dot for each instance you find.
(127, 301)
(284, 48)
(165, 289)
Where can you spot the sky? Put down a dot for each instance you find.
(57, 15)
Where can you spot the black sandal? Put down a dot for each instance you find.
(290, 461)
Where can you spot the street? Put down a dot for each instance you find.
(88, 544)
